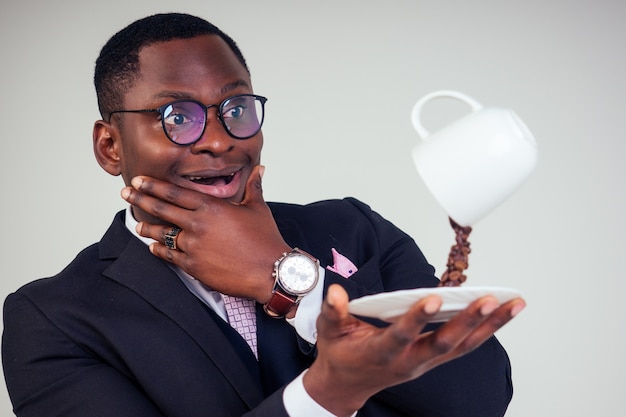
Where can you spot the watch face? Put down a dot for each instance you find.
(297, 274)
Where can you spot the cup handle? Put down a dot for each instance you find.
(417, 109)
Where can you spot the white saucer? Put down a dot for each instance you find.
(388, 306)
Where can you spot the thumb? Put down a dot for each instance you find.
(335, 321)
(335, 305)
(254, 187)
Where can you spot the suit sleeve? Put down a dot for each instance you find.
(49, 374)
(46, 373)
(477, 384)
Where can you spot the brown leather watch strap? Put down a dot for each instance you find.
(279, 304)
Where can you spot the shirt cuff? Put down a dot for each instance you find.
(309, 308)
(298, 402)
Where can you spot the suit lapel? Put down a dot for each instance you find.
(149, 277)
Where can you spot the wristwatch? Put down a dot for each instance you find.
(295, 274)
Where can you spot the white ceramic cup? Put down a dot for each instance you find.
(475, 163)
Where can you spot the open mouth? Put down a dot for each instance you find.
(214, 181)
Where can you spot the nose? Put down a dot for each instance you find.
(215, 140)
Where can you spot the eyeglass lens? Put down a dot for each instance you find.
(241, 116)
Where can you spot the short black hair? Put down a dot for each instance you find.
(117, 66)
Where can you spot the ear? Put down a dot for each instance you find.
(107, 147)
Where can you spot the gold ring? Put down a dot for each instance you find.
(170, 238)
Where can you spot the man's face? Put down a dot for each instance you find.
(203, 69)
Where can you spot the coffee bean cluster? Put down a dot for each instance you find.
(458, 257)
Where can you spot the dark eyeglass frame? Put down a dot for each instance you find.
(220, 109)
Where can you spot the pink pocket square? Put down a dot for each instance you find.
(342, 265)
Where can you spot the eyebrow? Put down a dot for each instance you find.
(236, 84)
(178, 95)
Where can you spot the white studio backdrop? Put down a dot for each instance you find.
(342, 77)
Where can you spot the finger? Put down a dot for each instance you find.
(335, 307)
(169, 212)
(334, 313)
(174, 256)
(174, 194)
(482, 333)
(494, 322)
(468, 329)
(449, 336)
(408, 328)
(254, 187)
(157, 232)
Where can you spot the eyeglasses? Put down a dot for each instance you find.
(184, 121)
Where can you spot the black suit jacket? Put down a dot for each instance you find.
(117, 333)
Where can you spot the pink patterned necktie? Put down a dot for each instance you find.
(242, 317)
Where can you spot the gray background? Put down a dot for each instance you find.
(342, 77)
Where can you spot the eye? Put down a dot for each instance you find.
(234, 112)
(175, 116)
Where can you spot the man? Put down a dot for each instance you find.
(138, 324)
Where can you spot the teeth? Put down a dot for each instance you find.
(192, 178)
